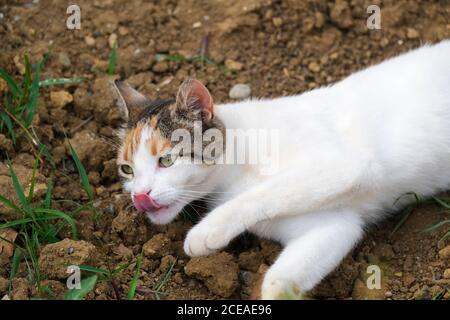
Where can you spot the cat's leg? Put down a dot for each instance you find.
(328, 181)
(307, 259)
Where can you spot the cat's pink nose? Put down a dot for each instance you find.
(143, 202)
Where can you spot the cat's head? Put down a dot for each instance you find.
(162, 181)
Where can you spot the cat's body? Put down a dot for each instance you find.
(347, 155)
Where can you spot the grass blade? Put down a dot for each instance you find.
(93, 269)
(34, 93)
(61, 215)
(433, 227)
(48, 194)
(9, 204)
(134, 281)
(12, 84)
(17, 257)
(19, 191)
(9, 125)
(82, 172)
(33, 180)
(87, 285)
(59, 81)
(112, 60)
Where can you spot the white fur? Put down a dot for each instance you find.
(347, 153)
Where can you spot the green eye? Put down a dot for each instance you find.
(167, 161)
(126, 169)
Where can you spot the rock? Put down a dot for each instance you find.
(388, 294)
(319, 20)
(90, 41)
(7, 238)
(240, 91)
(60, 99)
(130, 226)
(219, 272)
(157, 247)
(341, 14)
(234, 65)
(447, 273)
(54, 257)
(412, 33)
(445, 253)
(64, 59)
(19, 65)
(314, 67)
(277, 22)
(112, 40)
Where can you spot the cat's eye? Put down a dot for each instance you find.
(167, 160)
(126, 169)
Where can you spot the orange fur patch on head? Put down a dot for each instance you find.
(158, 144)
(131, 141)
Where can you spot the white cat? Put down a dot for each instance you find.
(347, 153)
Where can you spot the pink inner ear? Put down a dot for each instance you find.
(199, 93)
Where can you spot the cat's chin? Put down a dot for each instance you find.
(164, 215)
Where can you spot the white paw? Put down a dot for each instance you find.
(280, 289)
(205, 239)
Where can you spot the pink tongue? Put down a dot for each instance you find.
(143, 202)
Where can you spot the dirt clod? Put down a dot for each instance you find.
(55, 257)
(157, 247)
(219, 272)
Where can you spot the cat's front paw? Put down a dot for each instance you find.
(203, 240)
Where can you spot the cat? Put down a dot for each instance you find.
(349, 154)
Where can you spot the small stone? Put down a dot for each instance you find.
(231, 64)
(64, 59)
(196, 25)
(112, 40)
(445, 253)
(60, 99)
(277, 22)
(341, 14)
(412, 33)
(388, 294)
(319, 20)
(398, 274)
(314, 67)
(447, 274)
(90, 41)
(240, 91)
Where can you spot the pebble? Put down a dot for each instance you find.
(231, 64)
(447, 274)
(64, 59)
(277, 22)
(412, 33)
(60, 99)
(445, 253)
(90, 41)
(314, 67)
(240, 91)
(112, 40)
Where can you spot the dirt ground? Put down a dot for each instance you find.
(277, 48)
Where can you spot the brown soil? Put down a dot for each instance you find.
(278, 48)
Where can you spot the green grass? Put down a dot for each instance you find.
(20, 102)
(112, 60)
(37, 222)
(86, 286)
(163, 280)
(446, 207)
(134, 281)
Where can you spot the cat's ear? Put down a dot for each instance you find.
(132, 102)
(193, 97)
